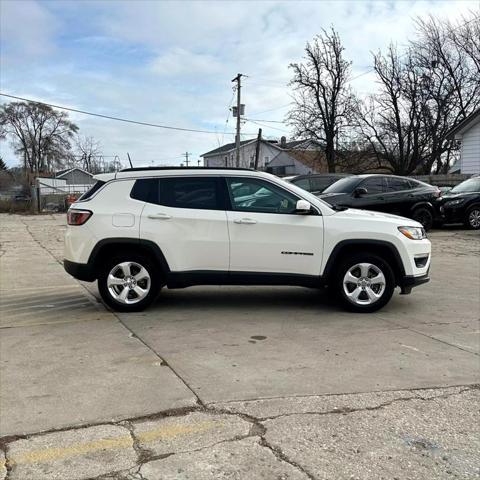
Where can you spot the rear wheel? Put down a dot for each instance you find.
(424, 216)
(473, 218)
(364, 283)
(129, 282)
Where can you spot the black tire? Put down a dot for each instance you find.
(381, 265)
(424, 216)
(134, 258)
(472, 218)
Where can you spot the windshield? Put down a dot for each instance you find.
(344, 185)
(470, 185)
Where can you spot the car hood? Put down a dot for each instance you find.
(370, 215)
(454, 196)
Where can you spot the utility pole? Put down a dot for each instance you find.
(257, 148)
(237, 136)
(186, 154)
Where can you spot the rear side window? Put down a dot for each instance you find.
(191, 192)
(145, 190)
(89, 193)
(397, 184)
(302, 183)
(373, 185)
(320, 184)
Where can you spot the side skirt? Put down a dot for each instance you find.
(213, 277)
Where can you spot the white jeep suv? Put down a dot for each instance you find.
(140, 229)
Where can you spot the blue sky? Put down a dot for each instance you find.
(172, 62)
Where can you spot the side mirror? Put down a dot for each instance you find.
(359, 192)
(303, 207)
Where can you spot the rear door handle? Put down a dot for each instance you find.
(245, 221)
(159, 216)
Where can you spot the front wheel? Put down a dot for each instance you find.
(364, 283)
(473, 218)
(129, 283)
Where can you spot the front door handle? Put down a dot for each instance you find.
(245, 221)
(159, 216)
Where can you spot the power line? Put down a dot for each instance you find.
(266, 126)
(273, 109)
(119, 119)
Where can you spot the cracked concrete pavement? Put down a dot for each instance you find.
(234, 383)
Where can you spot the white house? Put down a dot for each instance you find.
(280, 158)
(225, 156)
(468, 133)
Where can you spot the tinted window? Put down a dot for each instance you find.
(252, 195)
(88, 194)
(373, 185)
(344, 185)
(321, 183)
(146, 190)
(397, 184)
(302, 183)
(191, 192)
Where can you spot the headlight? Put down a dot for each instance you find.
(453, 203)
(413, 233)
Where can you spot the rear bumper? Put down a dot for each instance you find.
(80, 271)
(409, 281)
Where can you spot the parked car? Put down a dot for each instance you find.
(139, 230)
(315, 182)
(462, 204)
(386, 193)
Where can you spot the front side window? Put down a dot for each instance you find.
(373, 185)
(191, 192)
(253, 195)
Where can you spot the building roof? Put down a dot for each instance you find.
(61, 173)
(226, 148)
(295, 144)
(464, 125)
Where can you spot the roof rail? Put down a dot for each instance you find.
(143, 169)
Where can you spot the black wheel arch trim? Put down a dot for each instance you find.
(328, 270)
(423, 204)
(88, 272)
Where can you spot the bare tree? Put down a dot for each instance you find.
(323, 101)
(448, 57)
(423, 93)
(89, 152)
(41, 135)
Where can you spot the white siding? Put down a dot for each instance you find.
(470, 160)
(247, 157)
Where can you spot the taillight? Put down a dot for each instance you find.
(437, 193)
(78, 217)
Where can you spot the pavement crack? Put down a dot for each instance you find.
(164, 362)
(347, 410)
(280, 455)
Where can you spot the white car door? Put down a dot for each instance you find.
(185, 216)
(266, 235)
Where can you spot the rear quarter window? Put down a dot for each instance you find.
(94, 189)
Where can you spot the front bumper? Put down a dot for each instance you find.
(452, 214)
(80, 271)
(408, 282)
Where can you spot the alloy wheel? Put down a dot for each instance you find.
(364, 284)
(128, 282)
(474, 218)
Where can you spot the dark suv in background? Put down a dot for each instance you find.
(386, 193)
(315, 182)
(462, 204)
